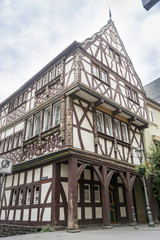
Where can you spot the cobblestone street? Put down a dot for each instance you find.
(116, 233)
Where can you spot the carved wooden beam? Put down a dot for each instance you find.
(143, 127)
(99, 102)
(132, 119)
(118, 111)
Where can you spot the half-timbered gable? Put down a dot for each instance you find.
(72, 131)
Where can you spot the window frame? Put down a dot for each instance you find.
(36, 198)
(36, 124)
(28, 195)
(99, 198)
(95, 70)
(151, 115)
(88, 200)
(46, 119)
(56, 120)
(28, 133)
(109, 129)
(100, 128)
(20, 197)
(118, 128)
(14, 197)
(126, 137)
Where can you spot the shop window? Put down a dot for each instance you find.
(46, 121)
(28, 196)
(87, 197)
(36, 194)
(14, 197)
(56, 114)
(96, 193)
(20, 199)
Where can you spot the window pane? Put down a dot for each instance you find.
(52, 74)
(151, 115)
(95, 71)
(108, 125)
(36, 124)
(6, 145)
(10, 143)
(20, 139)
(29, 128)
(124, 133)
(28, 198)
(100, 127)
(39, 84)
(117, 129)
(36, 194)
(86, 193)
(45, 79)
(96, 193)
(14, 197)
(46, 122)
(104, 77)
(128, 92)
(111, 53)
(134, 96)
(20, 197)
(56, 114)
(58, 70)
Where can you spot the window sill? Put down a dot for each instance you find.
(101, 80)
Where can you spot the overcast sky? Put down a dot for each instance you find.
(33, 32)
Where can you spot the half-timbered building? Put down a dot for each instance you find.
(72, 131)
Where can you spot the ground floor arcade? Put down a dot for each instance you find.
(73, 188)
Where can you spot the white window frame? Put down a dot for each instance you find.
(104, 76)
(128, 92)
(52, 74)
(46, 119)
(28, 129)
(28, 196)
(151, 115)
(134, 96)
(97, 193)
(20, 199)
(36, 194)
(124, 132)
(117, 129)
(36, 126)
(95, 71)
(100, 122)
(39, 84)
(108, 125)
(56, 113)
(87, 193)
(45, 79)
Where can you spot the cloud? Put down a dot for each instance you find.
(33, 32)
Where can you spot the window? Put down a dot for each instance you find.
(56, 114)
(86, 193)
(128, 92)
(20, 197)
(96, 193)
(6, 145)
(45, 79)
(20, 99)
(15, 141)
(100, 125)
(46, 121)
(117, 129)
(20, 139)
(117, 57)
(10, 143)
(36, 127)
(124, 132)
(134, 96)
(14, 196)
(28, 197)
(114, 37)
(95, 71)
(108, 125)
(58, 70)
(36, 194)
(52, 74)
(151, 115)
(39, 84)
(104, 76)
(1, 146)
(111, 53)
(29, 129)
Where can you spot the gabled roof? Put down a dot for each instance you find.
(153, 90)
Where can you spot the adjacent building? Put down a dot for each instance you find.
(72, 131)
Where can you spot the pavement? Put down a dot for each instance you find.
(118, 232)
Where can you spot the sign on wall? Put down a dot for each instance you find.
(6, 165)
(147, 4)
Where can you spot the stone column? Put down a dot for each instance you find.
(72, 195)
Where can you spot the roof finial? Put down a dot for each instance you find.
(110, 14)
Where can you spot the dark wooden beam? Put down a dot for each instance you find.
(118, 111)
(132, 119)
(143, 127)
(99, 102)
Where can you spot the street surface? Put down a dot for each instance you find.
(119, 232)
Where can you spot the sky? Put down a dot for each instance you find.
(33, 32)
